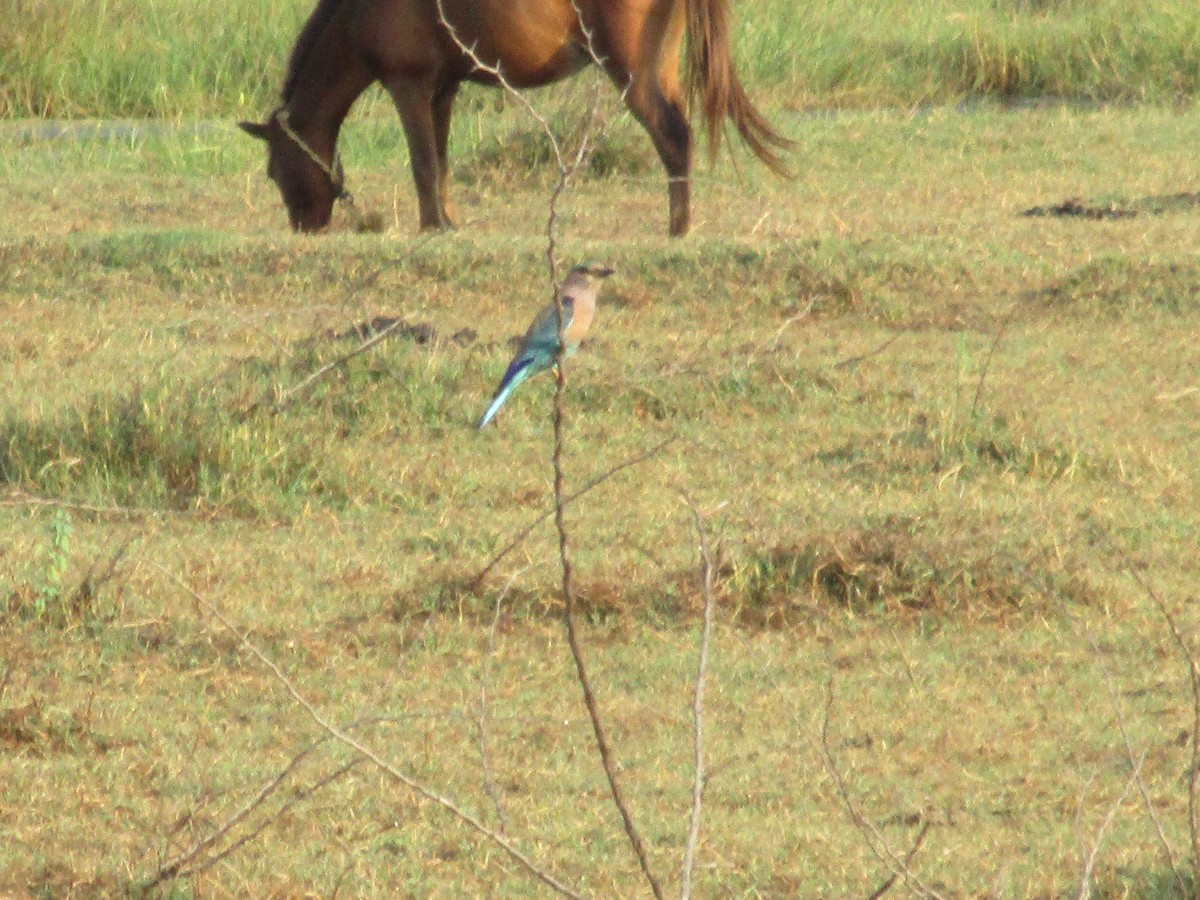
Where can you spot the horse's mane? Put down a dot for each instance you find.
(309, 35)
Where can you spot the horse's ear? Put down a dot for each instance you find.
(254, 129)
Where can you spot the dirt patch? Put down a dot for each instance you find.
(883, 569)
(889, 568)
(1116, 286)
(1078, 208)
(419, 333)
(33, 729)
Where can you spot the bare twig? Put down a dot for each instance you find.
(851, 362)
(987, 362)
(181, 866)
(707, 567)
(774, 341)
(567, 501)
(890, 881)
(564, 555)
(1189, 657)
(341, 735)
(1085, 883)
(299, 797)
(91, 584)
(589, 696)
(288, 396)
(899, 867)
(1134, 762)
(17, 497)
(1172, 396)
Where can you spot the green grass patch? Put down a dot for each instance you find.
(164, 58)
(170, 445)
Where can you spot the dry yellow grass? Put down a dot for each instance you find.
(930, 433)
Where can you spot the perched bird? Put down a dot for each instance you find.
(539, 347)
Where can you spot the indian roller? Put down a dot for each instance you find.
(539, 348)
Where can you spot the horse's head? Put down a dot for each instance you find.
(308, 183)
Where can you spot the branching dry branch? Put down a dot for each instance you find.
(342, 735)
(185, 864)
(288, 396)
(1135, 762)
(1189, 657)
(890, 881)
(564, 555)
(898, 866)
(567, 501)
(568, 167)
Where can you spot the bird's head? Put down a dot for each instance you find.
(589, 273)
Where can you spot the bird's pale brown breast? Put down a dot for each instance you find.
(582, 312)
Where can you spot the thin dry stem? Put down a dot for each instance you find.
(568, 594)
(589, 696)
(987, 362)
(354, 743)
(288, 396)
(1194, 674)
(181, 866)
(1189, 658)
(177, 865)
(1134, 762)
(898, 866)
(567, 501)
(852, 362)
(18, 497)
(773, 343)
(1085, 884)
(890, 881)
(481, 719)
(707, 567)
(299, 797)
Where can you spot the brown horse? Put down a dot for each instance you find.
(347, 45)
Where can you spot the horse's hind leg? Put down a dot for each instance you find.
(672, 136)
(644, 62)
(415, 101)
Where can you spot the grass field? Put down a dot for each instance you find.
(171, 58)
(947, 451)
(931, 434)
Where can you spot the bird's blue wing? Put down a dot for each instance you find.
(518, 370)
(539, 349)
(543, 333)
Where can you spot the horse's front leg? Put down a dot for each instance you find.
(443, 104)
(415, 103)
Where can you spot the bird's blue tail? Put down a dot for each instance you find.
(517, 372)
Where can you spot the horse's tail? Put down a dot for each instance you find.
(711, 76)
